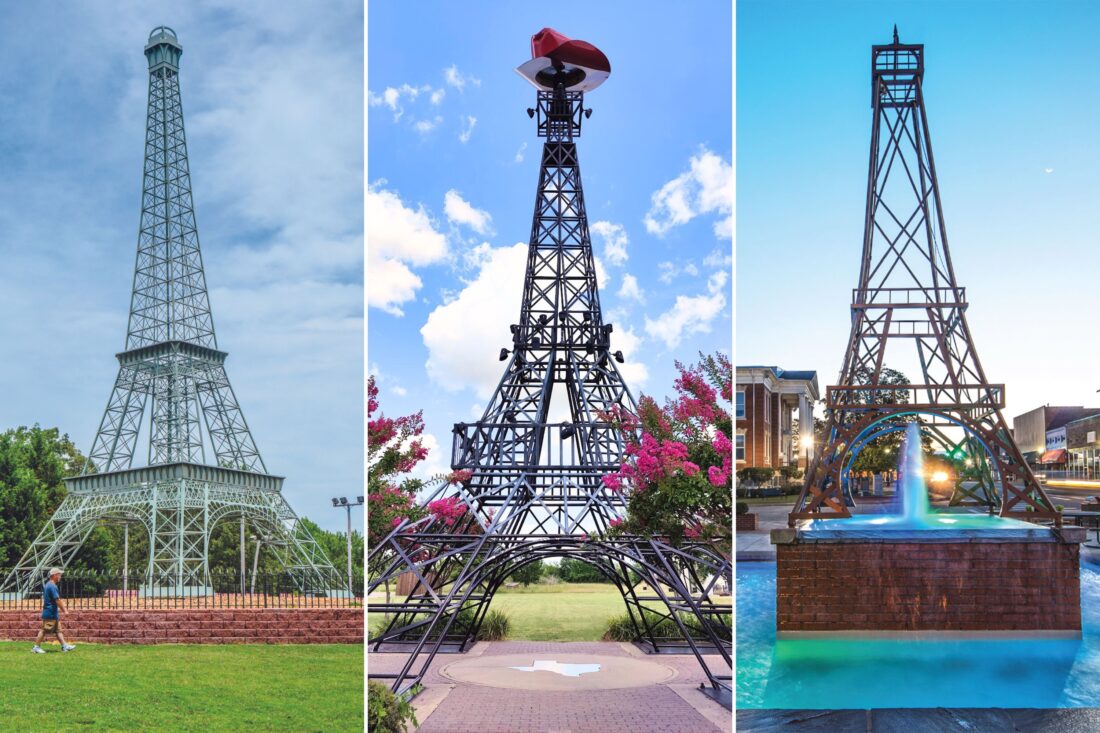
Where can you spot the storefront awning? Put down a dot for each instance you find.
(1057, 455)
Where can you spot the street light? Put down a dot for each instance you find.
(343, 502)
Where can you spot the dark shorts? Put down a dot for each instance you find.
(51, 625)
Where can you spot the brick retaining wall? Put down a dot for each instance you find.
(926, 586)
(255, 626)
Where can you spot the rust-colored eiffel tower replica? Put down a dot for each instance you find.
(908, 295)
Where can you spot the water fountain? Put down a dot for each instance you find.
(925, 572)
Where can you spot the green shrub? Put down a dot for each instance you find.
(755, 474)
(742, 507)
(619, 628)
(387, 712)
(790, 472)
(494, 626)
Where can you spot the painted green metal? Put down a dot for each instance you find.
(172, 370)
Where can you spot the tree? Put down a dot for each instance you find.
(33, 463)
(578, 571)
(677, 474)
(394, 449)
(528, 574)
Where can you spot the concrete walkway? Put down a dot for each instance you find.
(483, 692)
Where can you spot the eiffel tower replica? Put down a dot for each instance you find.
(536, 488)
(908, 294)
(173, 367)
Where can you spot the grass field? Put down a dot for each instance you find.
(254, 687)
(561, 612)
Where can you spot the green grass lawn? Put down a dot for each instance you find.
(560, 612)
(168, 687)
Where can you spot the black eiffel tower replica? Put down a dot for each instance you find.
(172, 371)
(908, 295)
(536, 489)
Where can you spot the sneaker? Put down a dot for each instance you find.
(68, 647)
(37, 649)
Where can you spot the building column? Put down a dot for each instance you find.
(805, 427)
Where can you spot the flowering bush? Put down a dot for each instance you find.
(677, 468)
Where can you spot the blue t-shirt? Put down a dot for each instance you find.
(49, 600)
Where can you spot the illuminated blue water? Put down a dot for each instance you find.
(882, 674)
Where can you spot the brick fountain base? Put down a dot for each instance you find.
(968, 583)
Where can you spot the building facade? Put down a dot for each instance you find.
(1045, 437)
(767, 399)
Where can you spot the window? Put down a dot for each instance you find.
(767, 447)
(767, 407)
(739, 447)
(740, 404)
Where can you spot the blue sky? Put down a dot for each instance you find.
(273, 106)
(1010, 90)
(452, 169)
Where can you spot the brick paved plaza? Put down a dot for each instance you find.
(672, 706)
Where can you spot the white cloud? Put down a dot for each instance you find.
(458, 80)
(670, 270)
(399, 390)
(459, 211)
(630, 289)
(464, 135)
(426, 126)
(634, 372)
(391, 97)
(718, 258)
(705, 188)
(688, 315)
(717, 281)
(519, 153)
(464, 336)
(614, 239)
(397, 236)
(437, 96)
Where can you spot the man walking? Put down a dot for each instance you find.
(51, 604)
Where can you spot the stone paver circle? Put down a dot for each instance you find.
(615, 672)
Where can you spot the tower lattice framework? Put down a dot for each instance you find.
(908, 294)
(202, 466)
(536, 487)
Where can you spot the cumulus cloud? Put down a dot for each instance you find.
(392, 97)
(671, 270)
(688, 315)
(459, 211)
(614, 240)
(633, 370)
(468, 129)
(397, 236)
(705, 188)
(519, 153)
(630, 289)
(458, 80)
(464, 336)
(426, 126)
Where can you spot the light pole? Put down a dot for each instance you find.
(244, 566)
(343, 502)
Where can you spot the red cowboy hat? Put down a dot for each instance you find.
(581, 60)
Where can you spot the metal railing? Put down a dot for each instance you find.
(91, 590)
